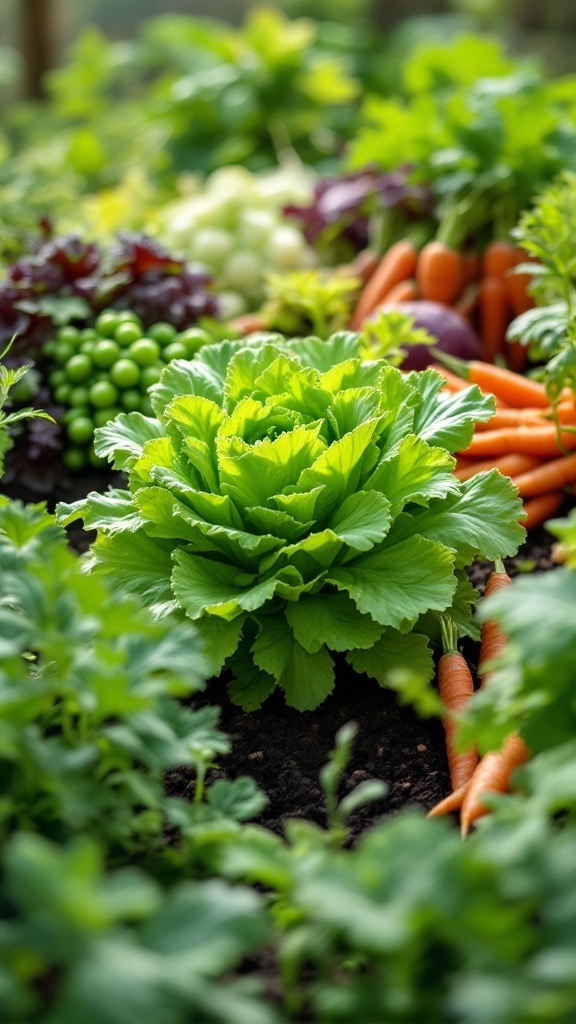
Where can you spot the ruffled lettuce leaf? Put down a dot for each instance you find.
(296, 502)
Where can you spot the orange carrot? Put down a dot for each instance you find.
(492, 775)
(455, 686)
(513, 418)
(404, 291)
(498, 258)
(492, 639)
(452, 802)
(494, 315)
(515, 389)
(397, 264)
(551, 476)
(539, 509)
(526, 439)
(565, 412)
(440, 272)
(507, 464)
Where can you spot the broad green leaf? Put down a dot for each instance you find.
(207, 926)
(251, 474)
(414, 472)
(181, 377)
(240, 546)
(481, 520)
(206, 587)
(214, 508)
(252, 420)
(245, 366)
(393, 653)
(279, 524)
(323, 354)
(400, 581)
(447, 420)
(302, 506)
(112, 511)
(250, 685)
(196, 416)
(122, 440)
(159, 514)
(193, 423)
(333, 620)
(306, 678)
(28, 528)
(159, 453)
(236, 799)
(339, 468)
(362, 520)
(285, 375)
(354, 373)
(219, 639)
(135, 562)
(314, 553)
(354, 406)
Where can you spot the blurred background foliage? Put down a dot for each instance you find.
(528, 26)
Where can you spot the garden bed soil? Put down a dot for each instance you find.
(283, 749)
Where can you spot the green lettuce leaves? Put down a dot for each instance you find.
(297, 502)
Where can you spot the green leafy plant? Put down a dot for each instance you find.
(297, 502)
(532, 687)
(469, 119)
(90, 713)
(318, 300)
(549, 330)
(83, 943)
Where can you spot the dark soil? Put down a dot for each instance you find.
(284, 750)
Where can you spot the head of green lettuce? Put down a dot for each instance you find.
(295, 500)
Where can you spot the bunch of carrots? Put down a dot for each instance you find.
(527, 439)
(483, 287)
(471, 776)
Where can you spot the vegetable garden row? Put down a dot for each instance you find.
(293, 364)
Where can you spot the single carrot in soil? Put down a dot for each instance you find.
(527, 439)
(492, 775)
(397, 264)
(541, 508)
(452, 802)
(509, 465)
(404, 291)
(498, 258)
(455, 686)
(513, 388)
(439, 272)
(494, 315)
(551, 476)
(492, 638)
